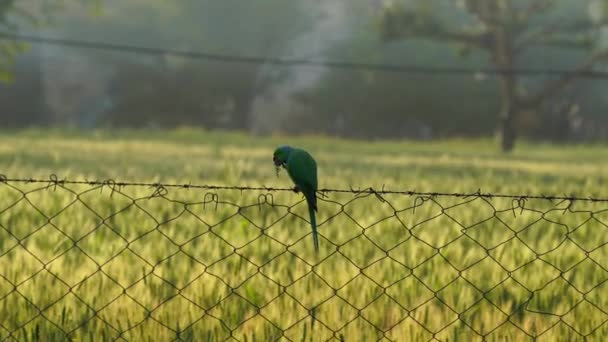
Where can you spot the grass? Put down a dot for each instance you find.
(103, 265)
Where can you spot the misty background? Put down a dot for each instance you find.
(53, 85)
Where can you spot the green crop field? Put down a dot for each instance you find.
(93, 263)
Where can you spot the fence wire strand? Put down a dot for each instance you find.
(295, 62)
(205, 264)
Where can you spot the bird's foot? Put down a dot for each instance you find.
(296, 189)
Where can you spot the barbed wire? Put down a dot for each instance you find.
(166, 263)
(296, 62)
(54, 181)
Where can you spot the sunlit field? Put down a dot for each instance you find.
(138, 263)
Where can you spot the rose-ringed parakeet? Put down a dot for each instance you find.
(302, 170)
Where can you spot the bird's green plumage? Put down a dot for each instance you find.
(302, 170)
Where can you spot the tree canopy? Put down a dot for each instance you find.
(506, 30)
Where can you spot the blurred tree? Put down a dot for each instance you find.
(378, 104)
(213, 93)
(11, 15)
(506, 30)
(16, 15)
(245, 28)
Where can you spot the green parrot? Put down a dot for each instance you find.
(302, 170)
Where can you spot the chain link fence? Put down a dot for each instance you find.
(135, 261)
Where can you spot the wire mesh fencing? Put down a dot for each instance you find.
(134, 261)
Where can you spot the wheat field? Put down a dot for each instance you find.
(138, 263)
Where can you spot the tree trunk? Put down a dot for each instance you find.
(504, 58)
(508, 129)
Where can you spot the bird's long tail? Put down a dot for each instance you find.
(311, 200)
(313, 224)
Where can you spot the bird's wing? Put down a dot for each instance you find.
(302, 169)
